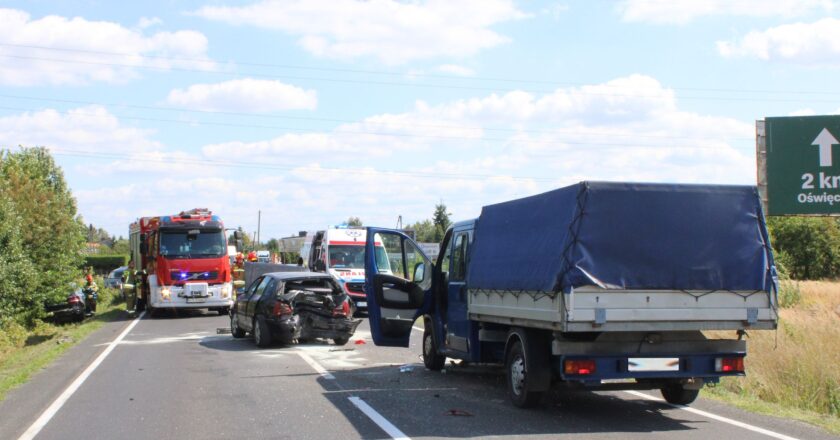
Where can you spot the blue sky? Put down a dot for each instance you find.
(314, 110)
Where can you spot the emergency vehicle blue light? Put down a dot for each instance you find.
(183, 275)
(215, 218)
(166, 219)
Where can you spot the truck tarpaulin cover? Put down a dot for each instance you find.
(624, 236)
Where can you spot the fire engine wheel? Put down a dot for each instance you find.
(262, 334)
(431, 359)
(675, 394)
(517, 378)
(223, 311)
(235, 330)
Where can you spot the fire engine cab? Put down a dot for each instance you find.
(180, 261)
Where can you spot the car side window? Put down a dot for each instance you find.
(459, 258)
(252, 288)
(261, 288)
(269, 289)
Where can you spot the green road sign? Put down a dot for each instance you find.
(803, 165)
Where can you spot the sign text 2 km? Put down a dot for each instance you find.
(803, 165)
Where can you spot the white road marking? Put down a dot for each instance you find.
(316, 366)
(716, 417)
(51, 411)
(377, 418)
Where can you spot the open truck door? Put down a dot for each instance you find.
(398, 285)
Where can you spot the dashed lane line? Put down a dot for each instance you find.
(371, 413)
(716, 417)
(316, 366)
(377, 418)
(51, 411)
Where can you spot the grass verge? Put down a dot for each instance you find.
(793, 372)
(45, 343)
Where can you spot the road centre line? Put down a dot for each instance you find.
(377, 418)
(51, 411)
(715, 417)
(316, 366)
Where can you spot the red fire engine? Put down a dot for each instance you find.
(181, 261)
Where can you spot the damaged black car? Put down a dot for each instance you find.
(290, 307)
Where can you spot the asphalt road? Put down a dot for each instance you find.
(176, 377)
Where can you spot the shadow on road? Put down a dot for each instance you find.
(472, 402)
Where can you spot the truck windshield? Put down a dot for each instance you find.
(182, 244)
(347, 257)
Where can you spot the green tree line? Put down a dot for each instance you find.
(41, 235)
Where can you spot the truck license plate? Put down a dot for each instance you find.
(196, 300)
(653, 364)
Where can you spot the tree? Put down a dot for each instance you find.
(808, 247)
(441, 221)
(51, 234)
(273, 245)
(354, 221)
(425, 231)
(17, 273)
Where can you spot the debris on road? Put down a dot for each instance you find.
(342, 349)
(406, 368)
(223, 331)
(360, 342)
(458, 413)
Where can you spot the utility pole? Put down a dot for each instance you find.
(259, 216)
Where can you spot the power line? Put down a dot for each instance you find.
(348, 121)
(254, 165)
(547, 142)
(407, 84)
(398, 74)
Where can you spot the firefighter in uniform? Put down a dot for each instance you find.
(91, 291)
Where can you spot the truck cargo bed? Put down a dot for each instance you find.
(591, 308)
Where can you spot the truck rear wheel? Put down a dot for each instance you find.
(517, 378)
(675, 394)
(431, 359)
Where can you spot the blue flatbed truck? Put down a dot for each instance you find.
(598, 286)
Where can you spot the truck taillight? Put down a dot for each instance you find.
(343, 309)
(729, 365)
(579, 366)
(281, 308)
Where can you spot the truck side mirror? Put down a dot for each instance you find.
(419, 272)
(239, 244)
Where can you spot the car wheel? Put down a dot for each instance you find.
(517, 378)
(342, 340)
(235, 330)
(224, 311)
(262, 334)
(431, 359)
(677, 395)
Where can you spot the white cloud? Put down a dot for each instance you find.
(146, 22)
(456, 70)
(815, 43)
(27, 63)
(91, 128)
(681, 12)
(252, 95)
(395, 32)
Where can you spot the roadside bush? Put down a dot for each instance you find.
(105, 263)
(17, 272)
(12, 334)
(808, 247)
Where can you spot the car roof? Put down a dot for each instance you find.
(285, 276)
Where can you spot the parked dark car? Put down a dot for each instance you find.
(114, 279)
(71, 309)
(293, 306)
